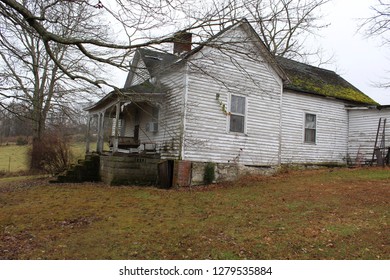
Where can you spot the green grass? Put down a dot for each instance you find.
(340, 214)
(13, 158)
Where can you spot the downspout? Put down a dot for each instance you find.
(116, 136)
(280, 125)
(87, 143)
(184, 115)
(99, 127)
(348, 122)
(101, 135)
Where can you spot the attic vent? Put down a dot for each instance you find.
(153, 57)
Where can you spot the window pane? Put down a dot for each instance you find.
(238, 105)
(310, 135)
(310, 128)
(237, 123)
(310, 121)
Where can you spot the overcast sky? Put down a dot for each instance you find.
(359, 60)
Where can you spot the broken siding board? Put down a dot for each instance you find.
(363, 126)
(331, 129)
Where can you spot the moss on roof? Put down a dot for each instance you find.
(313, 80)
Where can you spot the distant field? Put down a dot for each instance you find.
(321, 214)
(13, 158)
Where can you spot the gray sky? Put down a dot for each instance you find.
(359, 60)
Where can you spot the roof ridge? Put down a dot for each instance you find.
(157, 51)
(307, 64)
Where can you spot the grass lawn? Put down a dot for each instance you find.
(13, 158)
(323, 214)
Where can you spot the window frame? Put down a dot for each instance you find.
(244, 115)
(305, 140)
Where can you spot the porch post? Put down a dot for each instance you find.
(101, 132)
(103, 121)
(87, 140)
(116, 139)
(98, 132)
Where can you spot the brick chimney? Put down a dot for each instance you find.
(182, 42)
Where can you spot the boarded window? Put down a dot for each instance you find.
(237, 114)
(310, 128)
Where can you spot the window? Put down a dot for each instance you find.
(237, 114)
(310, 128)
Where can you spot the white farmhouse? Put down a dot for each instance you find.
(231, 103)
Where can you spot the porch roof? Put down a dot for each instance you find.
(138, 93)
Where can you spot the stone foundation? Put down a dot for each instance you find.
(227, 171)
(138, 170)
(128, 170)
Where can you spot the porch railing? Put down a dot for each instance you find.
(124, 142)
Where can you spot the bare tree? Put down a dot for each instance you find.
(283, 25)
(13, 121)
(29, 74)
(378, 25)
(138, 20)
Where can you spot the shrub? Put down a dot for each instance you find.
(21, 141)
(52, 154)
(209, 173)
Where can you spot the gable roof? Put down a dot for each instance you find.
(313, 80)
(155, 62)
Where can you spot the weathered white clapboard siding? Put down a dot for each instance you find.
(331, 130)
(167, 138)
(363, 125)
(207, 135)
(141, 74)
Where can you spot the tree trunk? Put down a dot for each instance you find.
(37, 148)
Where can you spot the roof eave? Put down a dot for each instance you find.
(296, 90)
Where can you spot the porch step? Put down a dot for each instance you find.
(86, 170)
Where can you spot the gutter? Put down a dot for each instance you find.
(280, 125)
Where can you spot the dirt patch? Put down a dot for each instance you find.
(78, 222)
(15, 246)
(17, 183)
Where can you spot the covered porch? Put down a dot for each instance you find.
(126, 122)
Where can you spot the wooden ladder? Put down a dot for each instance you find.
(380, 151)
